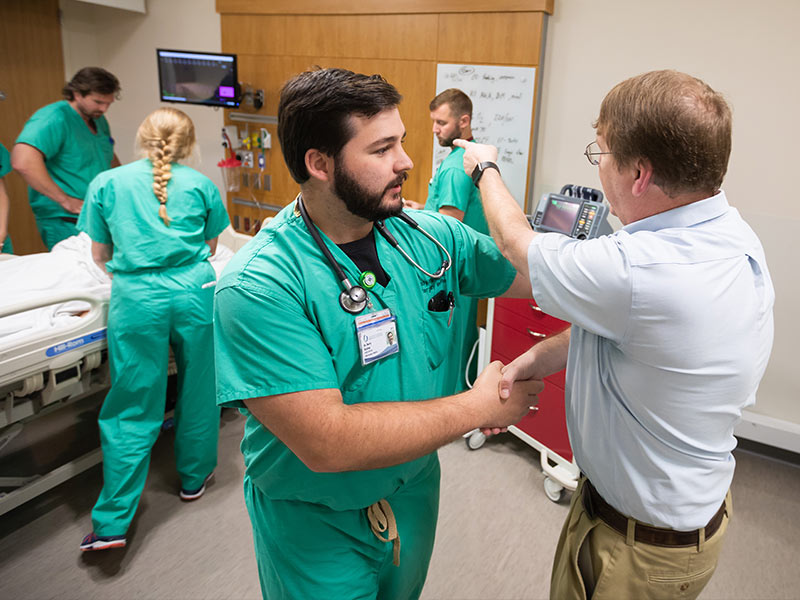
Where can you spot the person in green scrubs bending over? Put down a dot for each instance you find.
(62, 147)
(154, 223)
(333, 332)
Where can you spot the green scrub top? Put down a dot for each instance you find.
(451, 186)
(121, 209)
(73, 154)
(5, 161)
(279, 328)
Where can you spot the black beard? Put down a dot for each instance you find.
(360, 201)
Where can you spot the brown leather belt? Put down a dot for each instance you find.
(647, 534)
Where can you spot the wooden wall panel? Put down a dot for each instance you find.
(31, 75)
(411, 37)
(496, 38)
(346, 7)
(404, 48)
(254, 34)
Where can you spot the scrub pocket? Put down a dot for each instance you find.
(437, 334)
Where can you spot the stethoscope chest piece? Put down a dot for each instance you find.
(353, 300)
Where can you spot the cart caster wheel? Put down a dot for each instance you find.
(475, 440)
(553, 489)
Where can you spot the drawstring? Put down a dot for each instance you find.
(381, 518)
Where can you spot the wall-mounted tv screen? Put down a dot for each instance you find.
(198, 78)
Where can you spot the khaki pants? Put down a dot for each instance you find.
(628, 571)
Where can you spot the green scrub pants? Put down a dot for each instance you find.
(306, 550)
(148, 312)
(55, 229)
(8, 247)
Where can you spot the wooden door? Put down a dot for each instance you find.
(31, 75)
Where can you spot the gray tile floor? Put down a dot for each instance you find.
(495, 539)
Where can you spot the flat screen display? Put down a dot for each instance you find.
(560, 215)
(197, 78)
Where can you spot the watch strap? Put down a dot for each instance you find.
(477, 172)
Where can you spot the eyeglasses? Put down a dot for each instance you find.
(592, 150)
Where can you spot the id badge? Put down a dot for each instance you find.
(377, 335)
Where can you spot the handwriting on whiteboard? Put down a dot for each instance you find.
(502, 113)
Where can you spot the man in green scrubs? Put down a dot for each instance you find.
(62, 147)
(5, 168)
(346, 410)
(452, 192)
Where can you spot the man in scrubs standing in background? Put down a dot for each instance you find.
(451, 192)
(62, 147)
(346, 397)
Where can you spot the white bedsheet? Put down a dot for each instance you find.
(67, 267)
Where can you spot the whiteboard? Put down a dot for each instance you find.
(502, 110)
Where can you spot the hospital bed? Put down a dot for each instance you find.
(53, 353)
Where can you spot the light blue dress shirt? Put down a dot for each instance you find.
(672, 330)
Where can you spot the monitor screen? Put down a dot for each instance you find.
(560, 215)
(197, 78)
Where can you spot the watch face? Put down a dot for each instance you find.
(480, 168)
(476, 173)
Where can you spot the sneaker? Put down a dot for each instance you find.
(96, 542)
(190, 495)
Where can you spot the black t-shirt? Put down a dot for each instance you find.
(365, 255)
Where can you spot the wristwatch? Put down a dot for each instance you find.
(477, 172)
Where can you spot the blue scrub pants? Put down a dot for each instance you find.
(149, 312)
(306, 550)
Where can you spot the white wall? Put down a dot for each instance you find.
(749, 52)
(125, 43)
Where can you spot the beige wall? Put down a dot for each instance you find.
(124, 42)
(746, 50)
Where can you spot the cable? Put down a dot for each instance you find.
(469, 362)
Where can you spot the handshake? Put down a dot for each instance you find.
(504, 394)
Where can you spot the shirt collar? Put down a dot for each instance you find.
(683, 216)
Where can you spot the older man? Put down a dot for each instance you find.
(672, 330)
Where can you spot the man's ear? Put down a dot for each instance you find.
(319, 165)
(643, 179)
(464, 121)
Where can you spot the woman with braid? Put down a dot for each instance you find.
(154, 223)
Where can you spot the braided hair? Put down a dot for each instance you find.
(165, 136)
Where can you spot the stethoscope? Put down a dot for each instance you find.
(354, 298)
